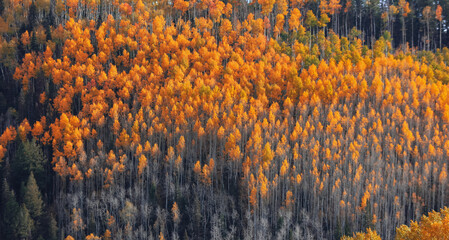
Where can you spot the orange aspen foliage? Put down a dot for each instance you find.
(221, 132)
(76, 174)
(25, 38)
(432, 226)
(37, 130)
(443, 176)
(181, 5)
(110, 219)
(334, 6)
(253, 197)
(42, 98)
(370, 234)
(197, 168)
(107, 235)
(89, 173)
(116, 127)
(205, 175)
(24, 129)
(211, 165)
(405, 7)
(100, 144)
(142, 164)
(147, 147)
(2, 152)
(139, 150)
(216, 8)
(46, 138)
(267, 155)
(365, 198)
(267, 6)
(289, 199)
(439, 13)
(284, 168)
(175, 212)
(155, 151)
(227, 10)
(279, 23)
(298, 178)
(92, 237)
(77, 220)
(181, 144)
(109, 179)
(178, 163)
(158, 24)
(263, 187)
(126, 9)
(282, 6)
(124, 139)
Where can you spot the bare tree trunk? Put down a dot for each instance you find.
(403, 33)
(440, 34)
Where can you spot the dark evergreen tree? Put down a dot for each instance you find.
(367, 220)
(51, 227)
(3, 102)
(49, 21)
(25, 224)
(32, 198)
(29, 158)
(21, 49)
(2, 7)
(32, 17)
(34, 44)
(186, 235)
(9, 210)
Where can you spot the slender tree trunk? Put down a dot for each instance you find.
(440, 34)
(403, 33)
(413, 36)
(428, 35)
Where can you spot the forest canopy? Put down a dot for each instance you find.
(275, 119)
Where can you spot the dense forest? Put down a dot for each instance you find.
(210, 119)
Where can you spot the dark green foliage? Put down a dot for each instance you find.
(48, 22)
(34, 44)
(186, 235)
(51, 227)
(3, 102)
(21, 49)
(29, 158)
(9, 209)
(25, 223)
(367, 217)
(48, 32)
(32, 17)
(338, 231)
(2, 7)
(32, 198)
(311, 60)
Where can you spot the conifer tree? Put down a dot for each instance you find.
(32, 198)
(29, 158)
(25, 224)
(2, 7)
(50, 228)
(9, 209)
(32, 16)
(34, 44)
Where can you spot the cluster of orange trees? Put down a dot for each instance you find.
(208, 128)
(432, 226)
